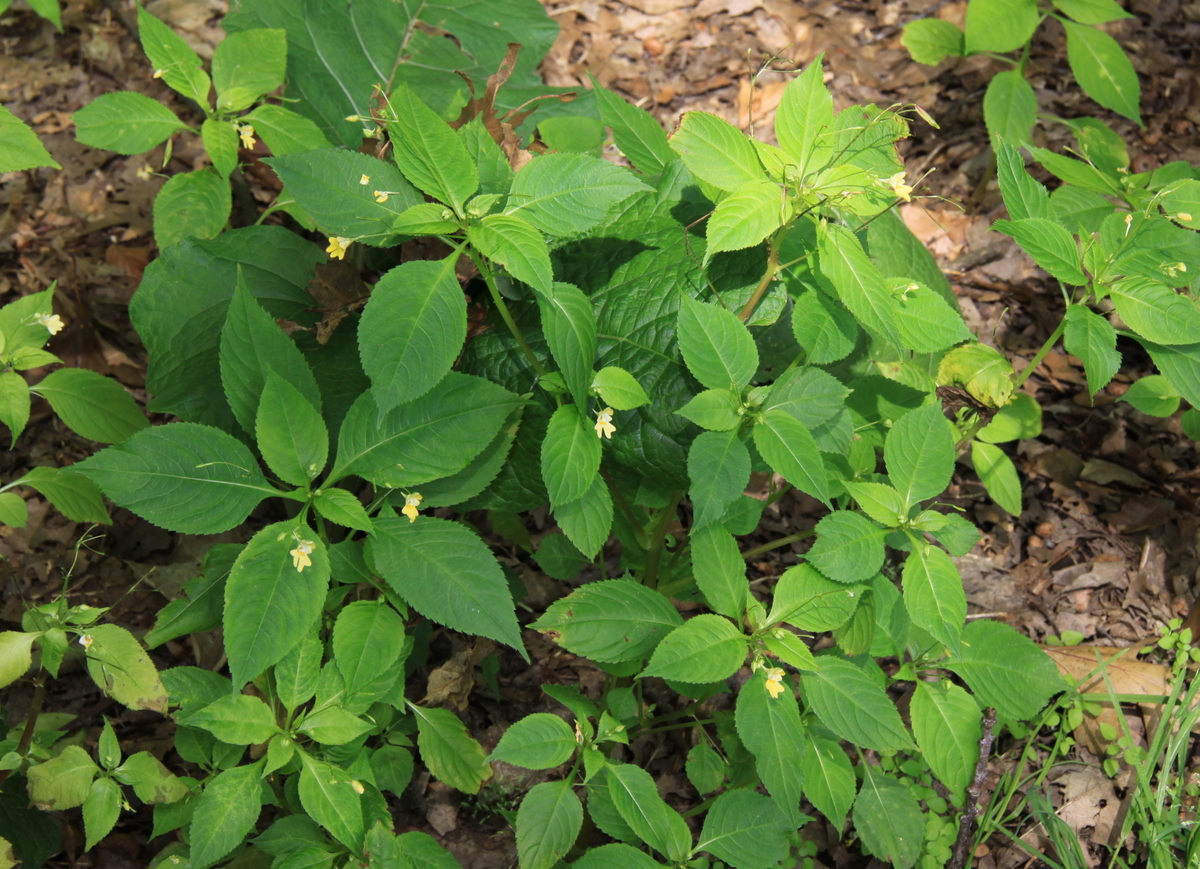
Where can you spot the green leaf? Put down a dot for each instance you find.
(933, 592)
(616, 855)
(571, 454)
(1092, 11)
(412, 330)
(173, 59)
(100, 810)
(610, 621)
(21, 147)
(445, 572)
(1018, 420)
(746, 830)
(998, 475)
(328, 185)
(1181, 366)
(946, 724)
(15, 654)
(636, 132)
(888, 818)
(333, 725)
(548, 823)
(1156, 312)
(879, 501)
(151, 781)
(1189, 421)
(537, 741)
(860, 285)
(716, 346)
(247, 65)
(618, 389)
(849, 547)
(284, 131)
(588, 520)
(804, 119)
(1010, 109)
(185, 477)
(718, 464)
(221, 142)
(428, 152)
(716, 151)
(226, 811)
(824, 328)
(707, 648)
(1049, 244)
(342, 507)
(1000, 26)
(771, 730)
(13, 511)
(636, 798)
(925, 322)
(270, 600)
(1153, 395)
(368, 640)
(393, 768)
(829, 782)
(931, 40)
(854, 706)
(1075, 172)
(570, 327)
(425, 439)
(121, 669)
(191, 205)
(788, 447)
(329, 797)
(720, 571)
(1024, 197)
(516, 245)
(93, 405)
(714, 409)
(568, 194)
(1100, 145)
(1181, 203)
(1081, 211)
(919, 452)
(14, 403)
(1005, 670)
(449, 751)
(559, 558)
(63, 782)
(1103, 70)
(73, 495)
(705, 768)
(810, 602)
(125, 122)
(291, 435)
(745, 217)
(297, 672)
(238, 719)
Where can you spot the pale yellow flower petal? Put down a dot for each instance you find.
(411, 505)
(381, 196)
(604, 424)
(52, 322)
(247, 133)
(337, 246)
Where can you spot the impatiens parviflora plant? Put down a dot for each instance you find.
(245, 66)
(94, 406)
(635, 364)
(1004, 30)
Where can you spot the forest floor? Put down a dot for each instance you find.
(1107, 545)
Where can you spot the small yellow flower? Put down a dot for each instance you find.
(775, 681)
(86, 641)
(52, 322)
(926, 117)
(364, 180)
(381, 196)
(604, 423)
(300, 559)
(896, 182)
(358, 788)
(1184, 217)
(411, 504)
(337, 246)
(354, 119)
(145, 173)
(159, 73)
(247, 133)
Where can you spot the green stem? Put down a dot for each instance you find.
(769, 274)
(775, 544)
(1041, 354)
(696, 723)
(650, 573)
(505, 314)
(970, 434)
(35, 709)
